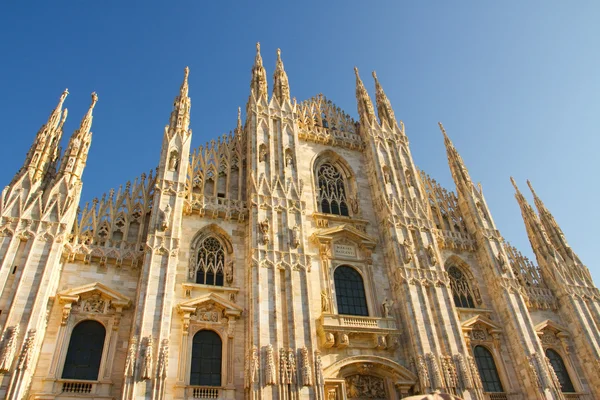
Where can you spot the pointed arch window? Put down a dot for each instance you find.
(487, 370)
(350, 291)
(85, 351)
(560, 370)
(461, 290)
(206, 359)
(332, 191)
(210, 262)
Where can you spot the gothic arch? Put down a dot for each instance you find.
(347, 175)
(464, 268)
(216, 231)
(383, 366)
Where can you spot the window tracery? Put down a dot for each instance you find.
(332, 195)
(461, 290)
(210, 262)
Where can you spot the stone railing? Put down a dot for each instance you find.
(203, 392)
(540, 298)
(496, 396)
(573, 396)
(77, 387)
(454, 240)
(216, 207)
(358, 323)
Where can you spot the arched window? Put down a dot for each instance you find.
(560, 370)
(487, 370)
(206, 359)
(85, 351)
(332, 191)
(211, 260)
(350, 291)
(461, 290)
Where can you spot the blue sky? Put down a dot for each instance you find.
(516, 84)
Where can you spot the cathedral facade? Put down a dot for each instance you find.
(302, 256)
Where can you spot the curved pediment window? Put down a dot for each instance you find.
(333, 195)
(210, 262)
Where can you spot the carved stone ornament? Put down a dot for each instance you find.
(94, 304)
(291, 367)
(386, 307)
(147, 361)
(165, 218)
(270, 371)
(9, 348)
(365, 387)
(406, 249)
(229, 272)
(463, 371)
(130, 360)
(253, 366)
(26, 349)
(431, 255)
(325, 303)
(422, 373)
(295, 237)
(319, 379)
(264, 230)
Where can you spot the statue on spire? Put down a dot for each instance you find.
(258, 85)
(364, 104)
(281, 86)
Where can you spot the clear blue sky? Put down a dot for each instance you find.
(516, 85)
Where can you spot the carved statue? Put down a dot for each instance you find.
(386, 175)
(253, 365)
(434, 367)
(463, 371)
(173, 161)
(295, 231)
(270, 372)
(229, 272)
(344, 340)
(289, 159)
(283, 368)
(319, 380)
(332, 394)
(409, 177)
(386, 307)
(501, 262)
(130, 360)
(147, 361)
(325, 303)
(353, 204)
(262, 155)
(9, 348)
(26, 349)
(291, 367)
(166, 216)
(163, 359)
(406, 249)
(264, 229)
(431, 255)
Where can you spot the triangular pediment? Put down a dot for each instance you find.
(345, 231)
(73, 295)
(551, 325)
(480, 320)
(210, 299)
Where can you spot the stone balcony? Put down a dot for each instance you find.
(336, 330)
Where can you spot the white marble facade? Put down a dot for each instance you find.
(303, 256)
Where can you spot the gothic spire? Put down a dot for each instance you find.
(457, 166)
(180, 116)
(535, 231)
(258, 85)
(44, 150)
(238, 128)
(384, 108)
(281, 86)
(363, 101)
(552, 228)
(75, 155)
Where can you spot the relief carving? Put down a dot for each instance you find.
(365, 387)
(163, 359)
(306, 368)
(325, 303)
(130, 360)
(147, 361)
(253, 366)
(26, 349)
(94, 304)
(318, 368)
(430, 251)
(264, 230)
(270, 371)
(9, 348)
